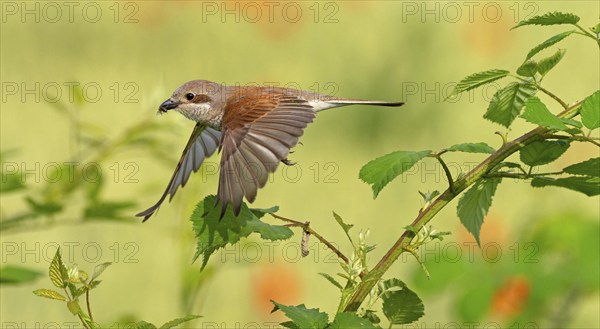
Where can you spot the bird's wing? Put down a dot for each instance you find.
(203, 143)
(257, 135)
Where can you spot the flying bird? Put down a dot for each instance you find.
(253, 128)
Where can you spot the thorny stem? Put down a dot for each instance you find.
(371, 279)
(306, 227)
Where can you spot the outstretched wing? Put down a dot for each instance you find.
(257, 135)
(203, 143)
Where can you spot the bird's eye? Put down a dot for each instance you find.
(189, 96)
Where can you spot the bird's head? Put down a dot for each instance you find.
(198, 100)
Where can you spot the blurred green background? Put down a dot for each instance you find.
(83, 86)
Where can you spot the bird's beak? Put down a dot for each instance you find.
(167, 105)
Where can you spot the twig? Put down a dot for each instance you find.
(446, 170)
(556, 98)
(306, 227)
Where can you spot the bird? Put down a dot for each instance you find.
(253, 127)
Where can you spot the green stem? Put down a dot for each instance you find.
(78, 315)
(371, 279)
(446, 171)
(87, 302)
(556, 98)
(587, 34)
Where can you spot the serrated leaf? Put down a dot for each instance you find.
(545, 65)
(379, 172)
(589, 167)
(400, 304)
(537, 113)
(506, 104)
(474, 205)
(589, 186)
(554, 18)
(528, 69)
(590, 111)
(260, 212)
(58, 271)
(213, 234)
(347, 320)
(98, 270)
(345, 227)
(73, 306)
(143, 325)
(11, 274)
(478, 79)
(331, 279)
(49, 293)
(175, 322)
(303, 317)
(553, 40)
(471, 148)
(289, 325)
(542, 152)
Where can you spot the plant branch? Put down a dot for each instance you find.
(306, 227)
(556, 98)
(371, 279)
(576, 138)
(87, 302)
(446, 171)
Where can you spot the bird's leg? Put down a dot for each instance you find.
(287, 162)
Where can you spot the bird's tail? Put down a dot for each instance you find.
(363, 102)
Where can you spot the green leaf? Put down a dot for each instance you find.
(212, 233)
(11, 274)
(108, 210)
(379, 172)
(589, 167)
(58, 271)
(98, 270)
(506, 104)
(303, 317)
(537, 113)
(400, 304)
(331, 279)
(554, 18)
(345, 227)
(143, 325)
(542, 152)
(528, 69)
(49, 293)
(589, 186)
(475, 203)
(260, 212)
(174, 323)
(11, 181)
(590, 111)
(43, 208)
(73, 306)
(545, 65)
(478, 79)
(553, 40)
(348, 320)
(471, 148)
